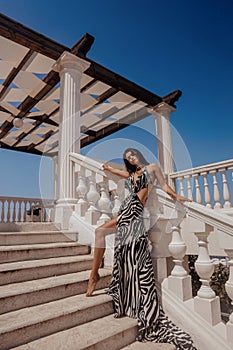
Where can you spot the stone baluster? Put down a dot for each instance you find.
(81, 189)
(206, 189)
(229, 290)
(206, 303)
(92, 214)
(8, 215)
(117, 203)
(226, 195)
(179, 281)
(180, 179)
(14, 211)
(189, 186)
(217, 204)
(104, 203)
(2, 211)
(197, 189)
(19, 211)
(231, 169)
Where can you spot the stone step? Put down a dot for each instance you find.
(107, 333)
(28, 270)
(20, 295)
(28, 324)
(41, 251)
(149, 346)
(29, 226)
(35, 237)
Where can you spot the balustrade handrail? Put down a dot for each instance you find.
(88, 163)
(204, 168)
(197, 211)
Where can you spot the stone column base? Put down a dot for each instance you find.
(181, 287)
(209, 309)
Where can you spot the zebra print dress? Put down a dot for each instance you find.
(133, 286)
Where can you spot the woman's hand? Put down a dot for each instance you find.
(105, 167)
(180, 199)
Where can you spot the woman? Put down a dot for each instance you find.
(133, 283)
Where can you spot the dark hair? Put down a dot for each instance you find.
(132, 168)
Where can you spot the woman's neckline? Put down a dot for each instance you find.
(135, 180)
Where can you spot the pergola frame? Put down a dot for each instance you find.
(95, 74)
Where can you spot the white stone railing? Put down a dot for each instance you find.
(204, 220)
(20, 209)
(210, 185)
(99, 198)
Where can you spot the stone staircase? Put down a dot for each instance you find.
(43, 279)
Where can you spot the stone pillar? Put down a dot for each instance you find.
(70, 68)
(163, 133)
(56, 180)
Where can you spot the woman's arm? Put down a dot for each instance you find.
(122, 173)
(165, 187)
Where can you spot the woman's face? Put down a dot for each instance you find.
(132, 158)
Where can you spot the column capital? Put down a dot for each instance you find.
(69, 61)
(163, 108)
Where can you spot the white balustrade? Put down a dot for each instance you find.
(14, 209)
(197, 189)
(229, 290)
(104, 203)
(92, 214)
(177, 248)
(181, 184)
(206, 189)
(117, 203)
(189, 186)
(226, 194)
(179, 281)
(216, 189)
(81, 190)
(204, 266)
(206, 303)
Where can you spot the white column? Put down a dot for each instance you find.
(70, 68)
(56, 180)
(163, 133)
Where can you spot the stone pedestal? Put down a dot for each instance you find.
(209, 309)
(181, 287)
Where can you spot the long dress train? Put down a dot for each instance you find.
(133, 286)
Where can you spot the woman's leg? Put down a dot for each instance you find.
(100, 234)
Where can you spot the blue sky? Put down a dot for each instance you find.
(161, 45)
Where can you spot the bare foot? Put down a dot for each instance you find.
(91, 284)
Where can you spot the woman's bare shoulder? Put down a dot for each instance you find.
(152, 167)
